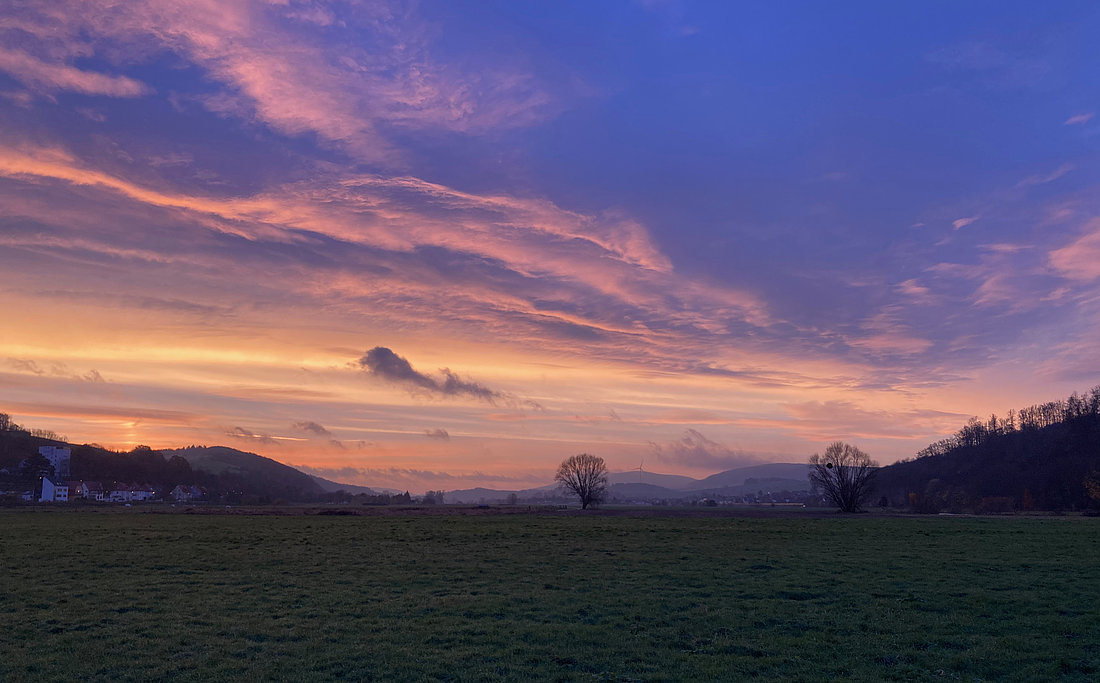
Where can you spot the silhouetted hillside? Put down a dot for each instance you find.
(675, 482)
(335, 487)
(247, 474)
(227, 474)
(772, 470)
(1035, 458)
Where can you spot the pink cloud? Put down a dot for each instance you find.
(829, 420)
(960, 223)
(914, 290)
(296, 81)
(1048, 178)
(556, 275)
(885, 334)
(534, 238)
(997, 288)
(1078, 119)
(1080, 259)
(42, 75)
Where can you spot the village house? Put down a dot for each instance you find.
(119, 493)
(185, 493)
(85, 490)
(53, 493)
(142, 492)
(93, 490)
(122, 492)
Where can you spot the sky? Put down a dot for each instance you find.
(444, 244)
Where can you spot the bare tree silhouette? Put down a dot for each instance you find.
(586, 476)
(845, 474)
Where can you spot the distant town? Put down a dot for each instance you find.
(58, 488)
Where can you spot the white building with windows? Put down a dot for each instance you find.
(60, 458)
(53, 493)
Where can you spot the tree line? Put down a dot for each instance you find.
(977, 432)
(1043, 457)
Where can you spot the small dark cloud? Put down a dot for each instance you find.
(453, 384)
(439, 433)
(53, 370)
(384, 364)
(695, 450)
(242, 433)
(310, 427)
(25, 366)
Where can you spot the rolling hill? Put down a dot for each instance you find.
(250, 474)
(740, 475)
(674, 482)
(334, 486)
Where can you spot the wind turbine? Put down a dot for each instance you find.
(640, 470)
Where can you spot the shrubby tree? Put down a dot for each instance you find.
(585, 476)
(6, 424)
(1092, 485)
(844, 474)
(35, 467)
(49, 434)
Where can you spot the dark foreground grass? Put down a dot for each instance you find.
(144, 596)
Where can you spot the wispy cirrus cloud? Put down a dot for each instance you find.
(915, 291)
(508, 263)
(290, 68)
(1080, 259)
(886, 333)
(1078, 119)
(1048, 178)
(825, 421)
(45, 76)
(960, 223)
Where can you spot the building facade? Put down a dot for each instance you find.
(60, 458)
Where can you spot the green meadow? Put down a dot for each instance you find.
(138, 596)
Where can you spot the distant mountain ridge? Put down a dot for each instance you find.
(643, 485)
(240, 475)
(335, 486)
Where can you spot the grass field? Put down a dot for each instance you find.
(134, 596)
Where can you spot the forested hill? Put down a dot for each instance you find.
(1041, 457)
(250, 474)
(225, 473)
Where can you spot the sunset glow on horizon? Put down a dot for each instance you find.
(441, 245)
